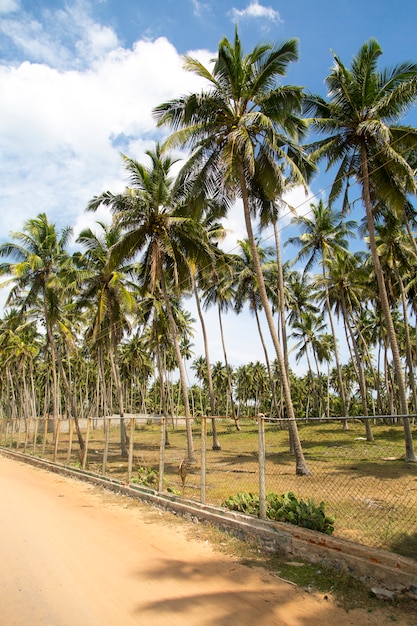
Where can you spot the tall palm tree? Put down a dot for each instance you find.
(166, 237)
(308, 331)
(360, 120)
(323, 235)
(105, 287)
(238, 130)
(218, 288)
(397, 257)
(204, 373)
(20, 346)
(216, 233)
(247, 291)
(347, 283)
(41, 273)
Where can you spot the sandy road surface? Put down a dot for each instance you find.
(72, 556)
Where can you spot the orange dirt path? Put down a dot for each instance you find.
(70, 555)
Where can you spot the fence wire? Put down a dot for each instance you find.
(365, 485)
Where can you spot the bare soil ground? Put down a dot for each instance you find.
(74, 555)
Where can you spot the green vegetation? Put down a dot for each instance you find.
(145, 476)
(284, 508)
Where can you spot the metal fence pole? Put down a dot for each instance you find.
(261, 465)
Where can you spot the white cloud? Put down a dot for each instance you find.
(200, 8)
(9, 6)
(256, 10)
(62, 132)
(62, 38)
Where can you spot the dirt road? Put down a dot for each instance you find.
(70, 555)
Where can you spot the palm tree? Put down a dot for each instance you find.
(41, 274)
(166, 236)
(348, 286)
(105, 287)
(216, 232)
(359, 120)
(20, 346)
(300, 295)
(399, 262)
(204, 373)
(324, 235)
(308, 331)
(247, 291)
(238, 130)
(218, 288)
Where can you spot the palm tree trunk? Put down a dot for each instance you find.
(162, 394)
(410, 456)
(114, 362)
(268, 364)
(183, 377)
(409, 356)
(281, 295)
(70, 396)
(229, 381)
(301, 465)
(336, 349)
(359, 369)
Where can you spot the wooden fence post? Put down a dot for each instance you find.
(12, 432)
(19, 432)
(107, 425)
(28, 420)
(162, 456)
(261, 465)
(203, 460)
(45, 433)
(87, 437)
(70, 435)
(35, 433)
(57, 432)
(2, 425)
(130, 457)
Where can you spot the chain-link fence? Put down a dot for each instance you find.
(365, 484)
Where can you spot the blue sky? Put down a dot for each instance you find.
(78, 81)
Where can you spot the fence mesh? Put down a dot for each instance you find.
(365, 485)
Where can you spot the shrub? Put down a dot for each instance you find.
(145, 476)
(288, 508)
(285, 508)
(244, 503)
